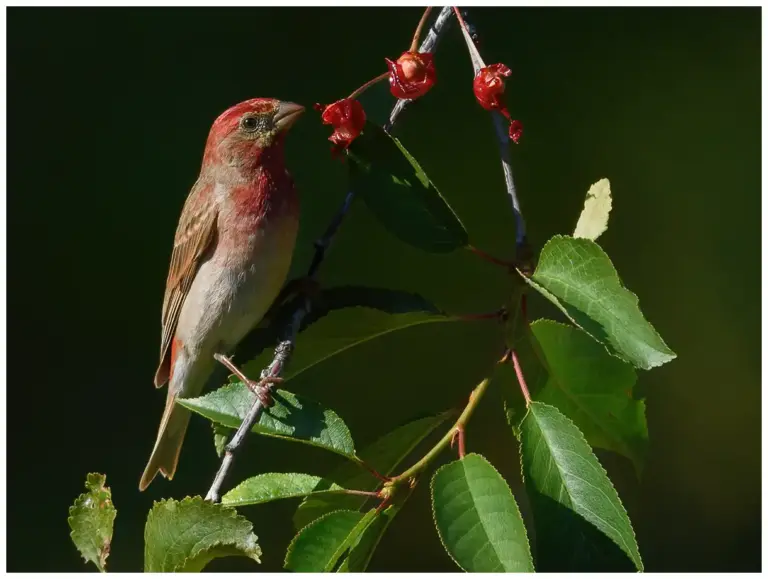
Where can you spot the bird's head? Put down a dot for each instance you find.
(246, 132)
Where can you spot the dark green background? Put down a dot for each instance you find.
(108, 111)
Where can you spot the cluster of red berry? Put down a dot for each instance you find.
(410, 77)
(489, 92)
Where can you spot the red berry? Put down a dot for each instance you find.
(412, 75)
(347, 118)
(489, 86)
(515, 131)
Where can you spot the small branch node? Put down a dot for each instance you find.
(374, 472)
(458, 427)
(458, 435)
(383, 505)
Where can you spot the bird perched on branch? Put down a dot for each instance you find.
(231, 254)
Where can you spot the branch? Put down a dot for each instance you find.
(275, 368)
(286, 346)
(447, 439)
(417, 33)
(429, 45)
(322, 244)
(502, 137)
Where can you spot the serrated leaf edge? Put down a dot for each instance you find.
(434, 515)
(321, 310)
(421, 175)
(439, 318)
(628, 452)
(375, 544)
(348, 545)
(610, 482)
(230, 512)
(255, 430)
(292, 544)
(407, 154)
(636, 300)
(102, 479)
(438, 419)
(338, 490)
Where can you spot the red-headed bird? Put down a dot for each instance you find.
(231, 254)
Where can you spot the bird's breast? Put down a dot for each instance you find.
(234, 288)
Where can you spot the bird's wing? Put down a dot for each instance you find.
(194, 235)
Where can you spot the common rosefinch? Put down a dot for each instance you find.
(231, 255)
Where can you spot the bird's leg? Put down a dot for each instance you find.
(262, 388)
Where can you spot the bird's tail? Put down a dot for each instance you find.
(170, 437)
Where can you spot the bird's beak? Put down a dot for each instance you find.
(287, 114)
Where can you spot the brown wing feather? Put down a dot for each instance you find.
(194, 234)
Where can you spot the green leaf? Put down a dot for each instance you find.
(384, 456)
(221, 436)
(360, 555)
(340, 331)
(571, 495)
(328, 300)
(273, 486)
(92, 518)
(593, 220)
(565, 368)
(593, 389)
(478, 519)
(578, 277)
(186, 535)
(399, 193)
(319, 546)
(291, 417)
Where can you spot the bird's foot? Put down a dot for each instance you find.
(263, 389)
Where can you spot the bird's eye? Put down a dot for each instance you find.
(250, 123)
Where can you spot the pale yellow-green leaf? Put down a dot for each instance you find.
(594, 217)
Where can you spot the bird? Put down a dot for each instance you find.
(231, 254)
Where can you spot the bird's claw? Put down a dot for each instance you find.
(265, 397)
(263, 389)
